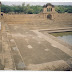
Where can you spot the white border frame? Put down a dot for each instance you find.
(36, 0)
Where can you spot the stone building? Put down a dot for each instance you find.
(49, 11)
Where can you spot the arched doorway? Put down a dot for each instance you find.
(49, 16)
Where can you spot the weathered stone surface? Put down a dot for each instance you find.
(51, 66)
(1, 65)
(25, 47)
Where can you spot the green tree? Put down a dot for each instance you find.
(27, 9)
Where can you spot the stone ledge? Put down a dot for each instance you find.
(59, 65)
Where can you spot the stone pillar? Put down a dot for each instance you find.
(0, 10)
(0, 15)
(44, 10)
(53, 9)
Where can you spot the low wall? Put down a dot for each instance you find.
(66, 29)
(50, 66)
(0, 25)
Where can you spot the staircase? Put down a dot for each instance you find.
(33, 21)
(10, 58)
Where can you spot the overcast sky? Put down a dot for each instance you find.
(37, 3)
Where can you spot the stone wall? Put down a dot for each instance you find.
(56, 16)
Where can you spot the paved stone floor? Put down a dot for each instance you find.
(35, 49)
(29, 49)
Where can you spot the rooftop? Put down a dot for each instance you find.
(48, 4)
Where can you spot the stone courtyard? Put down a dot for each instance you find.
(25, 44)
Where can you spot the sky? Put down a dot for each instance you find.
(38, 0)
(36, 3)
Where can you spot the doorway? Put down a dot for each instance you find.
(49, 16)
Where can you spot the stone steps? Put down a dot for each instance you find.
(12, 57)
(1, 54)
(6, 53)
(32, 18)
